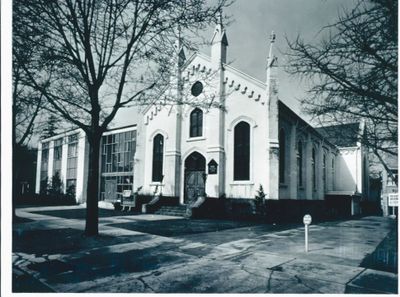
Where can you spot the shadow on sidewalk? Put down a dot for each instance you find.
(24, 283)
(384, 257)
(80, 213)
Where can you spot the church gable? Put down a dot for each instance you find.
(196, 72)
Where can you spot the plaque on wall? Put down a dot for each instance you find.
(212, 167)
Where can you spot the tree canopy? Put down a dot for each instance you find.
(93, 57)
(352, 72)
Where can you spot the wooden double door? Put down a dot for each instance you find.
(195, 169)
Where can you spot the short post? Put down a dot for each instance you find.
(307, 221)
(306, 238)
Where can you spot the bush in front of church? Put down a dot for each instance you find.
(259, 202)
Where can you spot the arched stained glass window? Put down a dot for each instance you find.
(196, 123)
(241, 168)
(158, 154)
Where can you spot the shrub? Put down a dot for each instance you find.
(55, 187)
(260, 202)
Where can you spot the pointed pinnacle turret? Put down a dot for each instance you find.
(272, 37)
(272, 60)
(219, 32)
(272, 64)
(179, 48)
(219, 43)
(220, 17)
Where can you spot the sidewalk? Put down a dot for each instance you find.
(160, 254)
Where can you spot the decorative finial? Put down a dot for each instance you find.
(220, 17)
(272, 37)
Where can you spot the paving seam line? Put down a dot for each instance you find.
(357, 275)
(324, 280)
(283, 263)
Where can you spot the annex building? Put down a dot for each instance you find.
(226, 135)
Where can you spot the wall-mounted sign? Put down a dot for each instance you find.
(212, 167)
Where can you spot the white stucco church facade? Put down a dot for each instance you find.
(224, 135)
(247, 138)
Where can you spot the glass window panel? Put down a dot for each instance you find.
(282, 150)
(241, 168)
(158, 157)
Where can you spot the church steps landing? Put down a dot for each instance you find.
(178, 210)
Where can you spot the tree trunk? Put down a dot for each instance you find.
(14, 165)
(15, 178)
(92, 193)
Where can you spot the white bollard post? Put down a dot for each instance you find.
(307, 221)
(306, 237)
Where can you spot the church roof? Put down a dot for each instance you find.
(284, 109)
(344, 135)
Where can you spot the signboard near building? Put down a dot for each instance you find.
(393, 199)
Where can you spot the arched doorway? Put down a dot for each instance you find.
(195, 169)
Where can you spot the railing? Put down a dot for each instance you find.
(194, 209)
(152, 206)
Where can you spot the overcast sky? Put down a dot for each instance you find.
(253, 21)
(248, 38)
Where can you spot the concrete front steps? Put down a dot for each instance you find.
(177, 211)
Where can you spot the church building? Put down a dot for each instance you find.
(223, 137)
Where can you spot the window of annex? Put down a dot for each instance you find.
(117, 153)
(158, 155)
(72, 163)
(57, 156)
(44, 166)
(196, 123)
(117, 161)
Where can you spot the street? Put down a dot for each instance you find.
(163, 254)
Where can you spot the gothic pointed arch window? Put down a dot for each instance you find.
(314, 170)
(196, 123)
(324, 175)
(333, 172)
(158, 155)
(241, 151)
(300, 163)
(282, 144)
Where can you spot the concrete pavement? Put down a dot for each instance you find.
(152, 253)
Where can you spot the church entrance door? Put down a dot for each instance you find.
(195, 169)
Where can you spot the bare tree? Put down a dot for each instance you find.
(100, 56)
(27, 103)
(353, 72)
